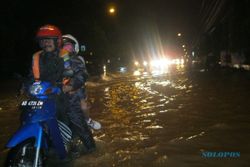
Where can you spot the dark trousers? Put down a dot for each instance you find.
(77, 120)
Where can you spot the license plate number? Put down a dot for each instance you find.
(33, 104)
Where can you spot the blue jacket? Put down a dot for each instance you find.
(75, 70)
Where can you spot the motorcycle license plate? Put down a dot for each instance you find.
(33, 104)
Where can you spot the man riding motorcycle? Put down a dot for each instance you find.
(48, 65)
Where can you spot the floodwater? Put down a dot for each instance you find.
(167, 120)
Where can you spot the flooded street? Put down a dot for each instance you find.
(166, 120)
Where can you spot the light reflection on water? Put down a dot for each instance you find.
(154, 127)
(194, 136)
(171, 119)
(139, 106)
(146, 115)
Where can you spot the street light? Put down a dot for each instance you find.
(179, 34)
(183, 46)
(136, 63)
(111, 10)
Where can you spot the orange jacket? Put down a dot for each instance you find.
(36, 58)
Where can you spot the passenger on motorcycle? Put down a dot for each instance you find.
(75, 76)
(76, 72)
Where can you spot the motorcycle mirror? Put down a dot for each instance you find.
(83, 48)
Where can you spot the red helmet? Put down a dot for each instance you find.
(50, 31)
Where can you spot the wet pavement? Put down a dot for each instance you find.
(167, 120)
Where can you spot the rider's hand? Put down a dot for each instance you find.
(85, 105)
(67, 88)
(36, 83)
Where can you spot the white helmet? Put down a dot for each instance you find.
(69, 38)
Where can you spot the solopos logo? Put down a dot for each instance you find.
(220, 154)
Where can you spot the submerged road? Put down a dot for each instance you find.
(166, 120)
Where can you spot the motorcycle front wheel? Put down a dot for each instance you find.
(23, 155)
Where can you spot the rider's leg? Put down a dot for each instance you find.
(78, 122)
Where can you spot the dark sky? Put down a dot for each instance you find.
(169, 16)
(161, 19)
(137, 25)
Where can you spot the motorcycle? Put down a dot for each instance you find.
(39, 129)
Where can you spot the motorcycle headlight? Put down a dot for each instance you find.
(36, 89)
